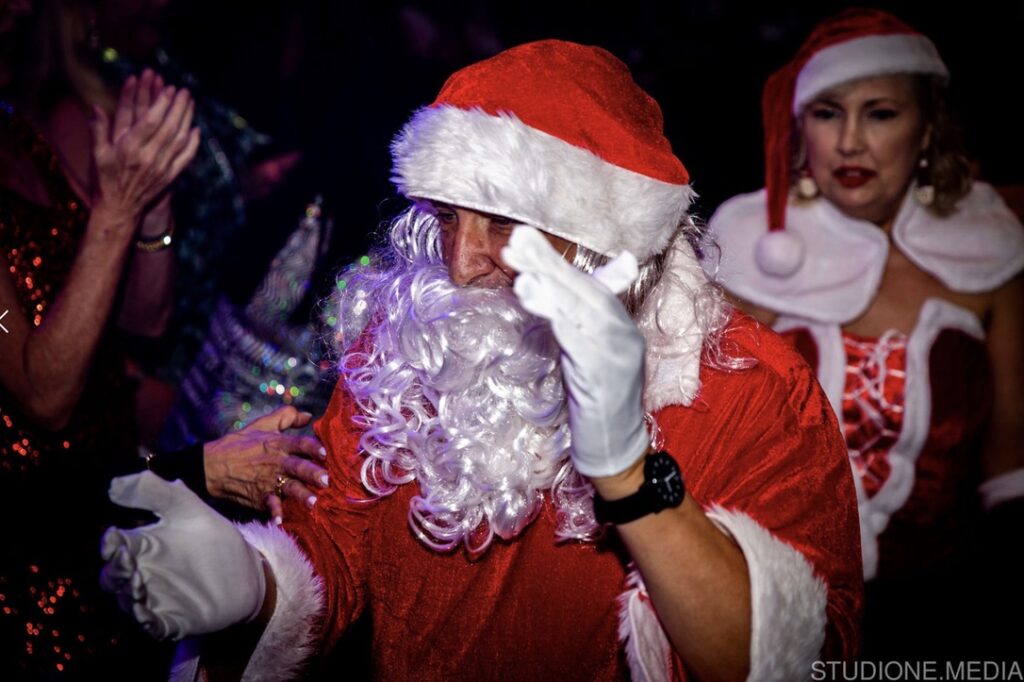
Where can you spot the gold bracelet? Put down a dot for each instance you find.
(157, 243)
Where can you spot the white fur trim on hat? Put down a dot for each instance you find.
(787, 609)
(875, 55)
(500, 165)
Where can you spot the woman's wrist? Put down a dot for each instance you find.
(112, 222)
(158, 220)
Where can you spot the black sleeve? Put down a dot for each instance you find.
(186, 465)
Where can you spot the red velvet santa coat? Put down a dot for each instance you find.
(760, 451)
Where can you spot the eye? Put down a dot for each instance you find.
(502, 224)
(445, 217)
(823, 112)
(883, 114)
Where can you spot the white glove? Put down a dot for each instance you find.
(602, 349)
(190, 573)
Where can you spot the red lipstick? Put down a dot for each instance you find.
(852, 177)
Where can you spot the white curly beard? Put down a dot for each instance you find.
(460, 390)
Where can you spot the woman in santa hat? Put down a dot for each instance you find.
(898, 278)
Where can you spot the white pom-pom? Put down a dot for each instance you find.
(779, 253)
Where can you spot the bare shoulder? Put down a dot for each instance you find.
(998, 309)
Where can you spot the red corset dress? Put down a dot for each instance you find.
(914, 411)
(876, 373)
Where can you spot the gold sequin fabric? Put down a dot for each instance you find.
(54, 621)
(39, 244)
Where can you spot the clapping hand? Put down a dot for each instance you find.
(143, 149)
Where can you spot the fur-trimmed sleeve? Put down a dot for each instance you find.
(761, 451)
(319, 561)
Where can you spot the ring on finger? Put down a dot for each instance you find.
(281, 481)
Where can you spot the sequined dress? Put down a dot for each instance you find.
(54, 621)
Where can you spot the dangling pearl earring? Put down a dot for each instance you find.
(806, 188)
(924, 193)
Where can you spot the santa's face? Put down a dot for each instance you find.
(471, 243)
(460, 390)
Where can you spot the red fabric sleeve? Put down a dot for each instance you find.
(764, 441)
(335, 534)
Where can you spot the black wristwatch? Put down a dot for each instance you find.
(662, 489)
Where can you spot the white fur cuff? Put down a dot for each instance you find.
(648, 652)
(1002, 488)
(290, 636)
(787, 601)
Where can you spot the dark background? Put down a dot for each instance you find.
(337, 80)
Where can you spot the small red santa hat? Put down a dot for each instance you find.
(555, 135)
(855, 43)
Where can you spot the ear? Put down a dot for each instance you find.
(926, 138)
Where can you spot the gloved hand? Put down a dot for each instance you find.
(190, 573)
(602, 349)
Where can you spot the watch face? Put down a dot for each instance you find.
(666, 480)
(662, 488)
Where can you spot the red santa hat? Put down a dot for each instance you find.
(856, 43)
(555, 135)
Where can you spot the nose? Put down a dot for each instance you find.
(851, 137)
(472, 253)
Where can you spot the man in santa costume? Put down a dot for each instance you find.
(537, 471)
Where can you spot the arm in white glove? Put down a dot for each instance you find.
(602, 349)
(190, 573)
(696, 576)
